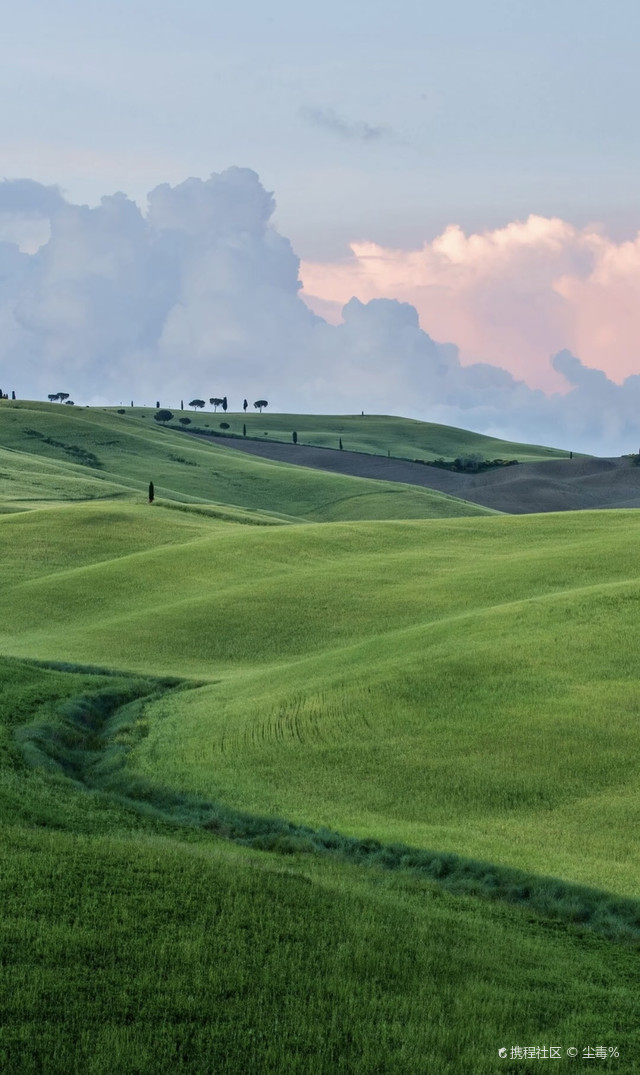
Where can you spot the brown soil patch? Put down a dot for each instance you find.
(552, 485)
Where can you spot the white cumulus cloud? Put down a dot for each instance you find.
(198, 295)
(514, 295)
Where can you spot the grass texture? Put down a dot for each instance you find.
(463, 685)
(355, 797)
(376, 434)
(135, 944)
(50, 452)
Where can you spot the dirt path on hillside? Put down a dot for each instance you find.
(552, 485)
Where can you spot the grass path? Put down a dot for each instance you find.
(87, 737)
(463, 685)
(131, 933)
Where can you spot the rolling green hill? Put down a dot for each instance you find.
(133, 944)
(403, 437)
(385, 658)
(52, 452)
(359, 796)
(131, 937)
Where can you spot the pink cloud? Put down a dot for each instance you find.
(514, 296)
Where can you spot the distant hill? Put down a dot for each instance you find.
(50, 452)
(566, 484)
(378, 434)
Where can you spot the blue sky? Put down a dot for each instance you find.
(373, 120)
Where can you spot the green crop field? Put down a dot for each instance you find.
(285, 788)
(378, 434)
(50, 452)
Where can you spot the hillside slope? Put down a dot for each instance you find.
(563, 484)
(445, 682)
(347, 772)
(377, 434)
(89, 453)
(130, 942)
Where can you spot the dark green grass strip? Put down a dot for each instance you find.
(87, 739)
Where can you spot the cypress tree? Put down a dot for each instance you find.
(151, 492)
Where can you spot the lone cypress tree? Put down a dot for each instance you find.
(294, 437)
(244, 431)
(151, 492)
(340, 442)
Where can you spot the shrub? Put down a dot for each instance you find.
(163, 416)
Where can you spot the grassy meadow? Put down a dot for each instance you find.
(51, 452)
(403, 438)
(285, 788)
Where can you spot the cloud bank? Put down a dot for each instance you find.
(199, 296)
(514, 296)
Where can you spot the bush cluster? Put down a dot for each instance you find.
(468, 464)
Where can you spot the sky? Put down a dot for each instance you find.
(409, 208)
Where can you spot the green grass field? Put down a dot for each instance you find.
(50, 452)
(339, 796)
(135, 943)
(377, 434)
